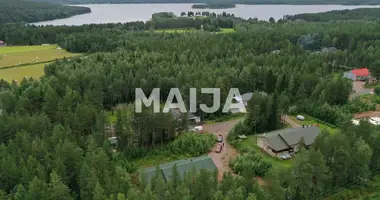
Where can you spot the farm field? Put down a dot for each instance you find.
(17, 62)
(222, 30)
(18, 73)
(21, 55)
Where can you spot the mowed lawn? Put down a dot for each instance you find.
(310, 121)
(21, 55)
(251, 143)
(18, 73)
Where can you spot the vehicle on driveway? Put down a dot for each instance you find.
(286, 157)
(220, 138)
(219, 148)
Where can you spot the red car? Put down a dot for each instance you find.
(219, 148)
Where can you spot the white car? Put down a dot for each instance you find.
(286, 157)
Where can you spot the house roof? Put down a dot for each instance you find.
(2, 42)
(244, 97)
(283, 139)
(329, 49)
(361, 72)
(183, 166)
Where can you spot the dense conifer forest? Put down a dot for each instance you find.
(336, 15)
(14, 11)
(54, 130)
(293, 2)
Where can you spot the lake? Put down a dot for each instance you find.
(114, 13)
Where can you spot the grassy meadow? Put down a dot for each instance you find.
(222, 30)
(17, 62)
(18, 73)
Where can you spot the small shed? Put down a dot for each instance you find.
(2, 43)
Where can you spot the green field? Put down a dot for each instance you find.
(18, 73)
(17, 62)
(227, 30)
(17, 49)
(222, 30)
(21, 55)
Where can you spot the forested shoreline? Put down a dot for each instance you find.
(338, 15)
(54, 131)
(20, 11)
(253, 2)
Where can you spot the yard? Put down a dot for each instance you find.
(250, 143)
(310, 120)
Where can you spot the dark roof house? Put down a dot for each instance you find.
(183, 166)
(287, 139)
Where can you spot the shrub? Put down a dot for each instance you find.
(377, 90)
(251, 161)
(194, 144)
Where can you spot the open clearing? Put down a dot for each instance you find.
(222, 30)
(17, 62)
(21, 55)
(310, 121)
(18, 73)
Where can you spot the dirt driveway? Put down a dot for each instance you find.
(358, 87)
(222, 159)
(367, 114)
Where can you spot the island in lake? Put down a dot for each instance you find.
(213, 6)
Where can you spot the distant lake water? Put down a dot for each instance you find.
(114, 13)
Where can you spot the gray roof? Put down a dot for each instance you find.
(283, 139)
(247, 96)
(329, 49)
(183, 166)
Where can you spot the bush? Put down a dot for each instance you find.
(251, 161)
(377, 90)
(193, 143)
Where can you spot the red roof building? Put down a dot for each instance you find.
(358, 74)
(361, 72)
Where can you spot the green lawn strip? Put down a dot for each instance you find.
(310, 121)
(227, 30)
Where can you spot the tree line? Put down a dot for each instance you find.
(254, 2)
(16, 11)
(53, 131)
(336, 15)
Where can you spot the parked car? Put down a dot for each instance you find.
(198, 129)
(286, 157)
(219, 148)
(220, 138)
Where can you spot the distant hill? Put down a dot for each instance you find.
(296, 2)
(12, 11)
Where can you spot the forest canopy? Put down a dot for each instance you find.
(12, 11)
(293, 2)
